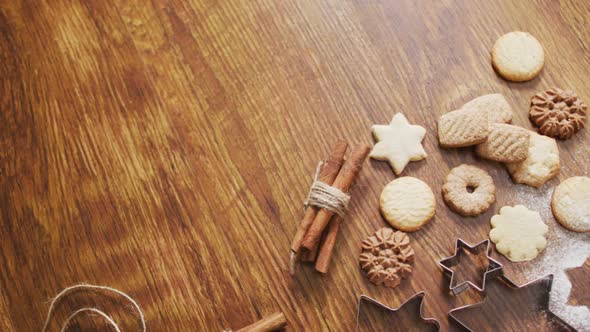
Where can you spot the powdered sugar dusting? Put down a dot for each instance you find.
(564, 250)
(535, 199)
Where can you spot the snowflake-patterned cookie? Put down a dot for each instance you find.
(519, 233)
(386, 257)
(558, 113)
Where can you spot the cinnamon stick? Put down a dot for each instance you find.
(343, 182)
(311, 255)
(328, 174)
(273, 322)
(327, 248)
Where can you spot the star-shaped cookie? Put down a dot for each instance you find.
(398, 143)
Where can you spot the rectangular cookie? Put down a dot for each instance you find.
(463, 127)
(505, 143)
(495, 105)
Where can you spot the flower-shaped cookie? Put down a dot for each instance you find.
(386, 257)
(558, 113)
(519, 233)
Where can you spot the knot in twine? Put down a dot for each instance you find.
(327, 197)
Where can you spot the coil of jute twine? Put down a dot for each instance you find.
(90, 288)
(326, 197)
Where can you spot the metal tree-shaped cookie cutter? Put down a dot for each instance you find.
(542, 303)
(416, 297)
(494, 268)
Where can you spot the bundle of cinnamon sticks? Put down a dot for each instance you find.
(318, 230)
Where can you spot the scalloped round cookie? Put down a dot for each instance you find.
(541, 164)
(519, 233)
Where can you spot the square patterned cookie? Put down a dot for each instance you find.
(505, 143)
(462, 127)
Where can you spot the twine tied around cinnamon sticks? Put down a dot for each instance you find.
(333, 179)
(325, 196)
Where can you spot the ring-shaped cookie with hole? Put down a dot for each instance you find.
(469, 190)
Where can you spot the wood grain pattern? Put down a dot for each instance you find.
(164, 147)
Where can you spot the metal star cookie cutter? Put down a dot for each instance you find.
(542, 304)
(493, 270)
(416, 297)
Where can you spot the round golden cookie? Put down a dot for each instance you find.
(518, 56)
(469, 190)
(571, 204)
(407, 203)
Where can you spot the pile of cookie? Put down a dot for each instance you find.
(408, 203)
(531, 158)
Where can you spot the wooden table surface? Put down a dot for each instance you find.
(164, 148)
